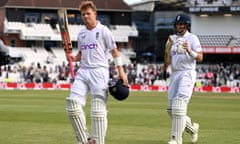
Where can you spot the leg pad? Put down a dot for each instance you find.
(78, 120)
(99, 119)
(178, 119)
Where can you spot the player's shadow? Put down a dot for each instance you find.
(150, 142)
(147, 142)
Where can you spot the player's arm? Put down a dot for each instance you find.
(167, 56)
(76, 57)
(199, 56)
(196, 55)
(119, 64)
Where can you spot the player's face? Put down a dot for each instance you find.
(181, 28)
(89, 17)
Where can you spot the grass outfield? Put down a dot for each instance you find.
(38, 117)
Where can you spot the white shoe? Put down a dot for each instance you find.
(172, 142)
(194, 136)
(91, 141)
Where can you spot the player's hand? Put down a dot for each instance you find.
(164, 67)
(164, 75)
(186, 46)
(69, 57)
(123, 76)
(170, 38)
(164, 70)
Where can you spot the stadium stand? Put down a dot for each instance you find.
(45, 32)
(121, 32)
(237, 42)
(40, 31)
(209, 3)
(215, 40)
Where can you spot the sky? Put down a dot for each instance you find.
(132, 1)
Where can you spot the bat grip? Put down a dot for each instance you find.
(71, 68)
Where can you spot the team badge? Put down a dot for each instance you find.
(178, 17)
(97, 35)
(83, 37)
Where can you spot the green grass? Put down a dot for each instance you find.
(38, 117)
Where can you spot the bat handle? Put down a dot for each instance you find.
(71, 69)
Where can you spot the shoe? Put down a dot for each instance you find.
(172, 142)
(91, 141)
(194, 136)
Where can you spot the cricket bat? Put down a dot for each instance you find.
(167, 56)
(63, 26)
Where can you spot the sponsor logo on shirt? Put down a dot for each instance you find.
(173, 53)
(89, 46)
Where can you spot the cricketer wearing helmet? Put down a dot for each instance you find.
(184, 51)
(95, 42)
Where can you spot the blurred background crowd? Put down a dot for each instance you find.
(144, 74)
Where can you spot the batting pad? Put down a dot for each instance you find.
(169, 111)
(99, 119)
(189, 126)
(178, 119)
(78, 120)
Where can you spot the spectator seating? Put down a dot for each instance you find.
(40, 31)
(36, 31)
(215, 40)
(122, 32)
(210, 3)
(237, 42)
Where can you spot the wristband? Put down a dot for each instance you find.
(118, 61)
(193, 54)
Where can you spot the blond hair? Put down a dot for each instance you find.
(87, 4)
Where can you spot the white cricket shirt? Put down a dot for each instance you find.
(95, 46)
(184, 61)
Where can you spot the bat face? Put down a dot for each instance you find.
(63, 25)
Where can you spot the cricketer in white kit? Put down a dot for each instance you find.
(95, 42)
(185, 52)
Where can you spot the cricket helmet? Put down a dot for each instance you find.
(183, 18)
(118, 90)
